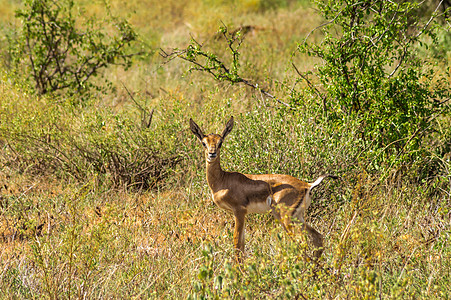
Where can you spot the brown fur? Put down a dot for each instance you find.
(242, 193)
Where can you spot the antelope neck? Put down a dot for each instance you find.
(214, 172)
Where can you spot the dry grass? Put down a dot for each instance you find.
(104, 243)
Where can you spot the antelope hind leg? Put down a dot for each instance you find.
(316, 238)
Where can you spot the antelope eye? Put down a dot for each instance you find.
(220, 144)
(203, 144)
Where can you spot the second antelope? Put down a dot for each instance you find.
(242, 194)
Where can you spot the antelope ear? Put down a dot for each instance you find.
(227, 128)
(196, 129)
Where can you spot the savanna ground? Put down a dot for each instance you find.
(98, 202)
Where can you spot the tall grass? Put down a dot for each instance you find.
(384, 238)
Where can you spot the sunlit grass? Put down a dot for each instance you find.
(67, 237)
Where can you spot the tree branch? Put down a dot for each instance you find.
(214, 66)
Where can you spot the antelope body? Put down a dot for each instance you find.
(243, 193)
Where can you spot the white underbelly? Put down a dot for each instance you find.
(220, 203)
(223, 205)
(258, 207)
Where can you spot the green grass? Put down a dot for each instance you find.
(72, 227)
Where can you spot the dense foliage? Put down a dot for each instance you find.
(58, 54)
(371, 70)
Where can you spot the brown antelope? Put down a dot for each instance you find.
(243, 194)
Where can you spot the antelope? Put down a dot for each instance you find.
(243, 194)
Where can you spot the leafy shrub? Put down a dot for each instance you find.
(59, 55)
(370, 70)
(44, 137)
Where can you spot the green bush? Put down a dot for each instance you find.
(44, 137)
(62, 55)
(370, 70)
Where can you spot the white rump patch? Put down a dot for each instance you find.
(269, 200)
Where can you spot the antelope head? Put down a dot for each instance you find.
(212, 142)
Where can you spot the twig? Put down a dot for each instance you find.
(407, 261)
(416, 36)
(131, 97)
(264, 92)
(311, 86)
(430, 20)
(329, 22)
(150, 118)
(222, 72)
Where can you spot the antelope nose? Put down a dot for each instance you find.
(212, 155)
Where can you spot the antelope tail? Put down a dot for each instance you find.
(320, 179)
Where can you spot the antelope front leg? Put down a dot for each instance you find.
(238, 234)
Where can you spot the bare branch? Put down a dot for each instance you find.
(313, 87)
(433, 16)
